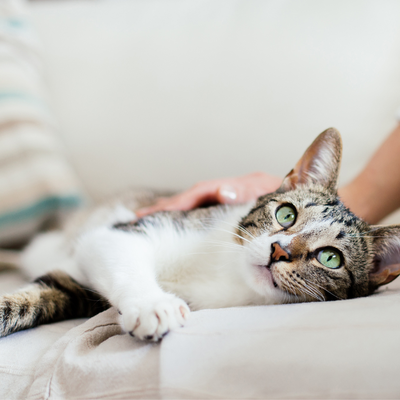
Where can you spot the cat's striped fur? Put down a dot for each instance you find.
(50, 298)
(150, 269)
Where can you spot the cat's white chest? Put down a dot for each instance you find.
(204, 268)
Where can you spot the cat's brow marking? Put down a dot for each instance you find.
(331, 203)
(249, 224)
(253, 210)
(314, 225)
(347, 222)
(312, 204)
(341, 235)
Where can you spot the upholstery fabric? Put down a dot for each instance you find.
(36, 181)
(338, 350)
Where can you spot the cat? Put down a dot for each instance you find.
(297, 244)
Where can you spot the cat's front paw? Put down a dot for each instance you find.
(153, 319)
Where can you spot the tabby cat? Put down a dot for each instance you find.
(297, 244)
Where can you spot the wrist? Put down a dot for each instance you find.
(361, 201)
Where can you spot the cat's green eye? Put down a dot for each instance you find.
(330, 258)
(286, 215)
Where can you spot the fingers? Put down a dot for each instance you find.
(225, 191)
(227, 194)
(173, 203)
(236, 193)
(192, 198)
(247, 188)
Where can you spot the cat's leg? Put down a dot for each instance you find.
(52, 297)
(121, 267)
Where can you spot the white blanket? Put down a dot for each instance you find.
(341, 349)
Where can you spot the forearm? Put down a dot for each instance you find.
(375, 193)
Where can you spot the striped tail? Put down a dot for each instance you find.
(52, 297)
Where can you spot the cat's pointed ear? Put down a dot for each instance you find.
(386, 249)
(319, 164)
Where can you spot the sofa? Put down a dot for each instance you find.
(151, 93)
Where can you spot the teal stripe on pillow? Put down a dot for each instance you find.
(13, 23)
(41, 183)
(5, 96)
(46, 206)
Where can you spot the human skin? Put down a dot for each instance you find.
(375, 192)
(225, 191)
(372, 195)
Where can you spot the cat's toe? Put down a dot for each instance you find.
(152, 320)
(129, 321)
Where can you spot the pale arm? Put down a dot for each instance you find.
(375, 192)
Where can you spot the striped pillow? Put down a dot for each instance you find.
(36, 183)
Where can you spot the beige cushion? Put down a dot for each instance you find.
(340, 350)
(36, 182)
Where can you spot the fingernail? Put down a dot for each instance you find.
(228, 192)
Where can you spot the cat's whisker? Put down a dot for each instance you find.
(310, 288)
(235, 234)
(315, 291)
(306, 289)
(212, 252)
(245, 231)
(287, 281)
(238, 226)
(220, 242)
(311, 293)
(365, 233)
(224, 244)
(293, 289)
(231, 232)
(367, 236)
(326, 290)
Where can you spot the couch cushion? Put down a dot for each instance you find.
(331, 350)
(36, 182)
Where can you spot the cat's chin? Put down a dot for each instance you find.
(262, 281)
(265, 272)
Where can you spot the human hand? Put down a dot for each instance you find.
(223, 191)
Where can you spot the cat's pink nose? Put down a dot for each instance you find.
(278, 254)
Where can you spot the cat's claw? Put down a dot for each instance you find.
(152, 320)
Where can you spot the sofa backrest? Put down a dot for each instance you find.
(167, 93)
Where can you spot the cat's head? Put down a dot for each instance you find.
(303, 244)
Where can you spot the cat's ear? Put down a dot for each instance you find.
(319, 164)
(386, 249)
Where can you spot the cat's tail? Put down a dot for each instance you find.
(52, 297)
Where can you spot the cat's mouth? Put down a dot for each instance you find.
(269, 275)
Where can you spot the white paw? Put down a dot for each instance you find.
(153, 319)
